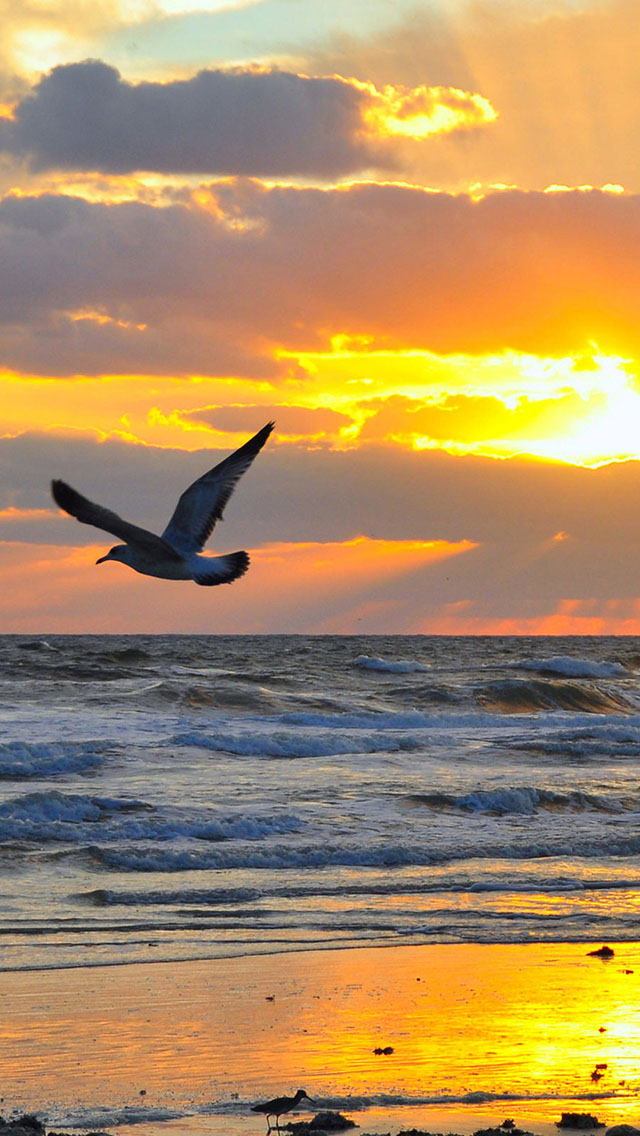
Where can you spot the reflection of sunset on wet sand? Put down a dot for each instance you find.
(529, 1022)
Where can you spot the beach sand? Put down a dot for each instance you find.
(478, 1033)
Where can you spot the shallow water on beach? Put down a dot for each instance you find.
(179, 797)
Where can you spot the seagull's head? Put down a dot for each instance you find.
(118, 552)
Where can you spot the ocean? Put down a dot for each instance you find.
(195, 797)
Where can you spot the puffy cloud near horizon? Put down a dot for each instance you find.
(85, 116)
(133, 287)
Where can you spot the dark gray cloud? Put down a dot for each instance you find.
(85, 116)
(376, 491)
(305, 421)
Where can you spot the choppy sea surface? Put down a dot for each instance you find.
(181, 797)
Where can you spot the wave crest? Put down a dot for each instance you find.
(522, 696)
(393, 666)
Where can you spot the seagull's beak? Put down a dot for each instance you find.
(102, 559)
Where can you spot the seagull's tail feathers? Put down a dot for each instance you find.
(221, 569)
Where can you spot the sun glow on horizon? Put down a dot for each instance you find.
(580, 410)
(577, 409)
(607, 433)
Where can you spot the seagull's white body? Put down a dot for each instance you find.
(176, 554)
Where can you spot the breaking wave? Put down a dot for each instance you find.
(300, 743)
(382, 856)
(518, 696)
(20, 761)
(69, 817)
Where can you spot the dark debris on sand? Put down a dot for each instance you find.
(326, 1121)
(26, 1125)
(498, 1131)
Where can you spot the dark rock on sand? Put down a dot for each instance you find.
(603, 952)
(574, 1120)
(623, 1130)
(500, 1131)
(420, 1132)
(26, 1125)
(326, 1121)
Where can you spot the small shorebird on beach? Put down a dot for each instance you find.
(278, 1106)
(176, 554)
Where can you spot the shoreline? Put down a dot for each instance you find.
(313, 947)
(476, 1031)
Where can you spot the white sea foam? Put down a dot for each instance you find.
(362, 1102)
(98, 1118)
(393, 666)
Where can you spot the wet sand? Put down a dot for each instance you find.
(478, 1033)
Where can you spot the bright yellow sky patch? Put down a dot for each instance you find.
(605, 430)
(581, 410)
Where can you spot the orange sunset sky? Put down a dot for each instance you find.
(407, 230)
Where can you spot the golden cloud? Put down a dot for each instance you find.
(418, 112)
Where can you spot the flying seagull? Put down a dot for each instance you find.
(278, 1106)
(176, 554)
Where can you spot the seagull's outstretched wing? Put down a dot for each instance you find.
(90, 514)
(202, 504)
